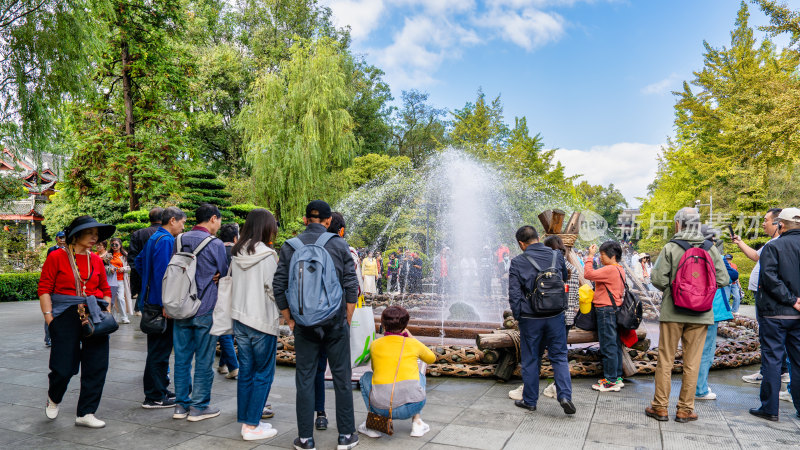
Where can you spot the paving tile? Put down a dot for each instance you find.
(40, 442)
(550, 420)
(8, 437)
(524, 442)
(616, 410)
(638, 436)
(81, 435)
(696, 441)
(495, 421)
(763, 445)
(472, 437)
(146, 438)
(218, 443)
(592, 445)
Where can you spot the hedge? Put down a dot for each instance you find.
(242, 210)
(15, 287)
(141, 215)
(204, 184)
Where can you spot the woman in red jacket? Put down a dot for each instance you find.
(72, 276)
(609, 282)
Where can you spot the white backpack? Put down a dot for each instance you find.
(179, 287)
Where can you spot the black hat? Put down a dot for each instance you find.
(83, 222)
(322, 208)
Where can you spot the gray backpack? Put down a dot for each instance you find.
(179, 287)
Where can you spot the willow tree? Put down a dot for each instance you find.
(297, 128)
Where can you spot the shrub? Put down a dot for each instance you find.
(15, 287)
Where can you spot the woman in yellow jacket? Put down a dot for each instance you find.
(369, 269)
(397, 352)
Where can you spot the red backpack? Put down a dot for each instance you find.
(695, 282)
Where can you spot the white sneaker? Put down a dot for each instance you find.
(709, 396)
(418, 429)
(785, 378)
(754, 378)
(550, 390)
(372, 433)
(51, 409)
(125, 320)
(785, 396)
(90, 421)
(260, 432)
(516, 394)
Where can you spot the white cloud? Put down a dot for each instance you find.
(435, 31)
(661, 87)
(361, 15)
(528, 28)
(630, 166)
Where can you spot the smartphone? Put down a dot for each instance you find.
(730, 230)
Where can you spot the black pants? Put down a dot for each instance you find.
(335, 340)
(155, 381)
(319, 382)
(778, 337)
(70, 352)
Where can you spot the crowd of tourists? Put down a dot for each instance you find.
(216, 285)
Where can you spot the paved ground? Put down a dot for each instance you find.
(462, 413)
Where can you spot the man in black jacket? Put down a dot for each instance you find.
(538, 332)
(333, 336)
(139, 239)
(778, 308)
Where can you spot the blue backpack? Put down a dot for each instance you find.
(314, 292)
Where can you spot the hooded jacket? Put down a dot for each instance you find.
(666, 267)
(253, 301)
(779, 281)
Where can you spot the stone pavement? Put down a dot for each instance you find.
(463, 413)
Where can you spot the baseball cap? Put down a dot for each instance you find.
(322, 208)
(790, 214)
(61, 234)
(728, 256)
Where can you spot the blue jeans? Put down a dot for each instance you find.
(257, 370)
(736, 292)
(777, 337)
(610, 348)
(707, 360)
(192, 341)
(536, 335)
(401, 412)
(227, 352)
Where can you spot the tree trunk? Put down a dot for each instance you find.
(127, 95)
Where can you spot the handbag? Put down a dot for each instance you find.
(222, 321)
(586, 321)
(378, 422)
(107, 323)
(629, 314)
(153, 320)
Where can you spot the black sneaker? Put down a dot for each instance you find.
(158, 404)
(346, 442)
(322, 422)
(307, 445)
(567, 406)
(171, 395)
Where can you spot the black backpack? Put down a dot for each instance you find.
(629, 315)
(549, 295)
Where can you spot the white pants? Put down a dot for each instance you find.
(369, 284)
(118, 293)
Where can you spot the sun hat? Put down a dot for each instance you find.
(81, 223)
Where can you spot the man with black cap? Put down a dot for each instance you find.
(332, 335)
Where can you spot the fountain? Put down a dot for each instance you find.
(455, 213)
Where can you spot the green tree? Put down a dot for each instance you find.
(479, 127)
(297, 128)
(369, 108)
(45, 52)
(607, 201)
(130, 138)
(419, 127)
(202, 186)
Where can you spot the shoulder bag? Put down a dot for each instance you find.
(153, 320)
(376, 421)
(106, 324)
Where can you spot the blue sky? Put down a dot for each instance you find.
(592, 76)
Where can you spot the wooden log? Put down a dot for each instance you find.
(449, 332)
(491, 357)
(576, 336)
(556, 222)
(546, 218)
(574, 224)
(506, 366)
(448, 323)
